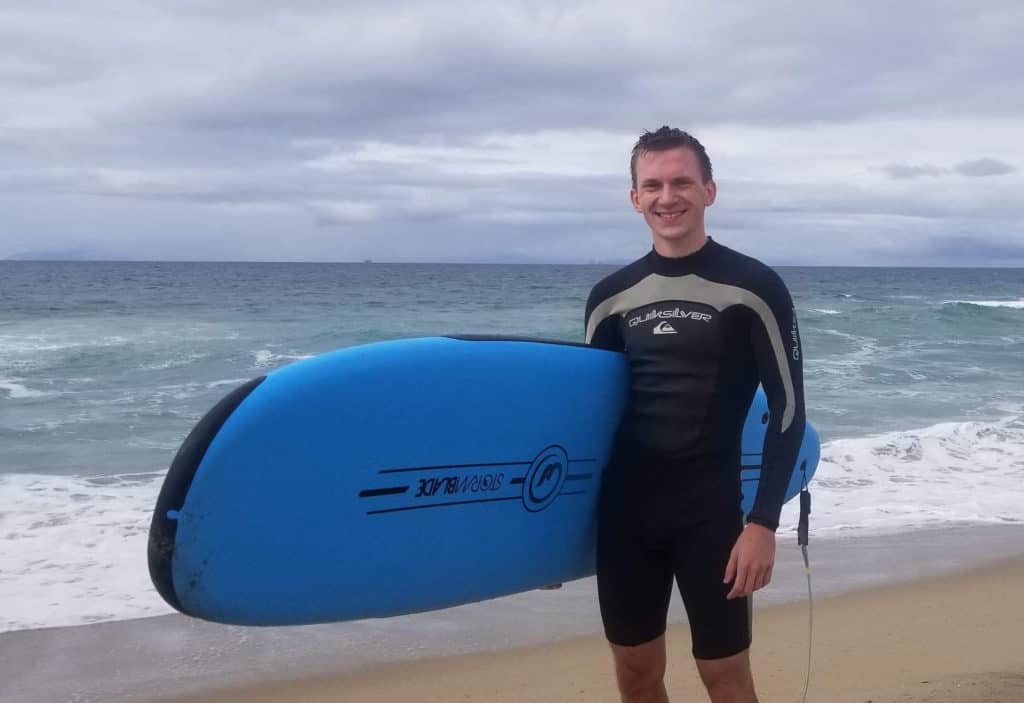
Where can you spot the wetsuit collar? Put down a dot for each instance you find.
(677, 265)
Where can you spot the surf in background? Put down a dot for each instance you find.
(912, 376)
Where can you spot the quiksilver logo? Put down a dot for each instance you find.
(664, 328)
(795, 336)
(674, 313)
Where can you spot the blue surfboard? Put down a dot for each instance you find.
(399, 477)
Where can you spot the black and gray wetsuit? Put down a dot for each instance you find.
(700, 332)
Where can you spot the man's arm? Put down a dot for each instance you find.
(776, 343)
(779, 358)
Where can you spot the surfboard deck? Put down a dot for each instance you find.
(398, 477)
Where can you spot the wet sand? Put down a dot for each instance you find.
(913, 617)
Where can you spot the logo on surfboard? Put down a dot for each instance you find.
(545, 478)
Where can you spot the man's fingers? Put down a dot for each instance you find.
(730, 568)
(742, 578)
(764, 577)
(749, 579)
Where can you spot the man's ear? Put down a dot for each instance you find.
(712, 191)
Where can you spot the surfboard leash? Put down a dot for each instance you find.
(802, 540)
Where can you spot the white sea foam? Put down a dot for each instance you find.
(16, 391)
(265, 358)
(1013, 304)
(174, 361)
(966, 472)
(34, 344)
(183, 391)
(73, 548)
(226, 382)
(826, 311)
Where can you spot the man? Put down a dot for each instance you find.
(702, 326)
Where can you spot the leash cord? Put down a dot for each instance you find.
(802, 539)
(810, 620)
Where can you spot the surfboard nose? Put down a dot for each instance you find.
(164, 527)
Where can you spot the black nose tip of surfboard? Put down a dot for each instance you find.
(163, 529)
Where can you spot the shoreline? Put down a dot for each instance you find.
(945, 639)
(180, 658)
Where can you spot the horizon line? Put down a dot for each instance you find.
(373, 262)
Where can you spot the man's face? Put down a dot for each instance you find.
(671, 193)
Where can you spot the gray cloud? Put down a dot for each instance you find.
(447, 66)
(970, 247)
(446, 69)
(365, 132)
(976, 168)
(908, 171)
(979, 168)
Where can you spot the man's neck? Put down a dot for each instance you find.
(676, 249)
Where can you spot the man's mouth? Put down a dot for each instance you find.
(669, 215)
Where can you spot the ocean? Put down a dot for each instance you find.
(913, 381)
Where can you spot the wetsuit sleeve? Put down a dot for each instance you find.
(776, 343)
(606, 335)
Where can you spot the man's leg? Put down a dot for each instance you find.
(634, 586)
(640, 672)
(720, 628)
(729, 679)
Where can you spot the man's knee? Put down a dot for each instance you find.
(640, 670)
(728, 680)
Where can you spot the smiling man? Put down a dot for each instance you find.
(702, 325)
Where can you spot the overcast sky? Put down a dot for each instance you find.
(867, 133)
